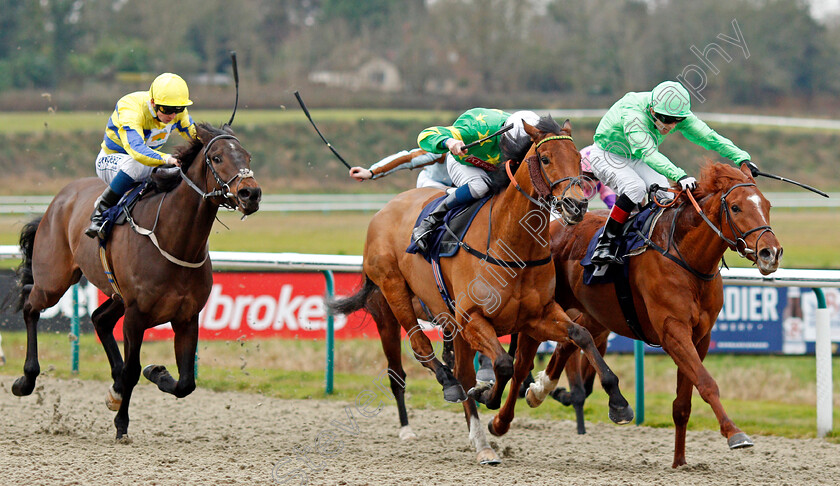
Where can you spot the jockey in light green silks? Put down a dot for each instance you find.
(626, 158)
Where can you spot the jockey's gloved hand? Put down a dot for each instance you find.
(687, 183)
(753, 168)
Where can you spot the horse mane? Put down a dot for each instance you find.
(187, 153)
(714, 176)
(516, 150)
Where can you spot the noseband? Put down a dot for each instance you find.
(542, 182)
(222, 187)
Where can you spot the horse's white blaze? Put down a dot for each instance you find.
(406, 433)
(757, 201)
(542, 386)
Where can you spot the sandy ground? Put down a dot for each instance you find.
(63, 434)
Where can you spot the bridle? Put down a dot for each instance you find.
(543, 183)
(222, 187)
(740, 236)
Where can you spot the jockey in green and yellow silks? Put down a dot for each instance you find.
(626, 154)
(468, 169)
(139, 126)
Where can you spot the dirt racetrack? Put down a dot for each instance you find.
(63, 434)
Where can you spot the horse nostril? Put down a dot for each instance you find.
(250, 194)
(765, 254)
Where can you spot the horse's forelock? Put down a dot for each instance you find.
(516, 150)
(187, 153)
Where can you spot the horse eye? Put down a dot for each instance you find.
(217, 159)
(735, 208)
(545, 160)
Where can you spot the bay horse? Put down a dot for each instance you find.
(495, 297)
(165, 276)
(677, 295)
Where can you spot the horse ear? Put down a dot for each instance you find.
(227, 129)
(567, 126)
(203, 134)
(531, 131)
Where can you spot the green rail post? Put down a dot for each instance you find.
(328, 378)
(74, 332)
(639, 354)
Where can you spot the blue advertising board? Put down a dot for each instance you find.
(766, 320)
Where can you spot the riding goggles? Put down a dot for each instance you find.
(170, 110)
(668, 119)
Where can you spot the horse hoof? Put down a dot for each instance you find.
(740, 441)
(454, 394)
(113, 400)
(532, 400)
(22, 387)
(562, 396)
(488, 457)
(123, 439)
(621, 416)
(152, 372)
(406, 433)
(493, 431)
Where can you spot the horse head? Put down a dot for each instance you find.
(226, 169)
(743, 215)
(554, 169)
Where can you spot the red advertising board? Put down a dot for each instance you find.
(286, 305)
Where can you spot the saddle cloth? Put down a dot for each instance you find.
(117, 214)
(441, 243)
(629, 243)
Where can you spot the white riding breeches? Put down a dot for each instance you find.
(476, 178)
(631, 177)
(107, 166)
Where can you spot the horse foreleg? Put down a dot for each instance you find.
(677, 342)
(133, 329)
(482, 337)
(620, 411)
(465, 373)
(2, 355)
(186, 342)
(389, 335)
(104, 319)
(526, 349)
(581, 376)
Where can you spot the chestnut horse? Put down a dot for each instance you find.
(521, 295)
(164, 276)
(677, 296)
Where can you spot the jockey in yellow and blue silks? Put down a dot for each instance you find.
(468, 170)
(626, 158)
(138, 127)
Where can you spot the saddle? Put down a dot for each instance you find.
(632, 241)
(444, 242)
(164, 178)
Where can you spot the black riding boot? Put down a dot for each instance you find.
(604, 252)
(108, 199)
(421, 233)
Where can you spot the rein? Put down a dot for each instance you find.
(740, 237)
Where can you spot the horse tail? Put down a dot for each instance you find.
(357, 301)
(24, 271)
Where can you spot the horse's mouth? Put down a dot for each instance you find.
(248, 200)
(573, 210)
(768, 260)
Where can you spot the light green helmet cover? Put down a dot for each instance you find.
(670, 98)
